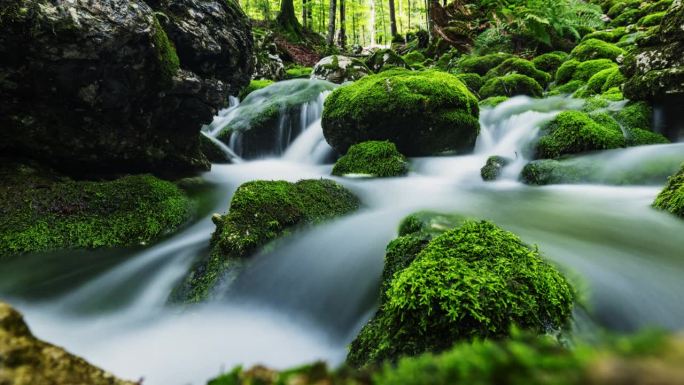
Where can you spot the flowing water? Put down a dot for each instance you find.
(305, 299)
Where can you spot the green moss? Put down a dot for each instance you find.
(492, 169)
(414, 57)
(511, 85)
(613, 94)
(261, 211)
(373, 158)
(652, 19)
(628, 17)
(474, 281)
(41, 214)
(472, 80)
(603, 81)
(253, 86)
(671, 199)
(640, 137)
(481, 64)
(298, 72)
(493, 101)
(610, 35)
(592, 49)
(519, 66)
(622, 6)
(635, 115)
(567, 89)
(587, 69)
(549, 62)
(565, 71)
(167, 57)
(654, 84)
(573, 132)
(423, 113)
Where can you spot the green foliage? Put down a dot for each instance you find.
(385, 59)
(422, 112)
(573, 132)
(519, 66)
(549, 62)
(511, 85)
(481, 64)
(253, 86)
(169, 63)
(261, 211)
(494, 40)
(596, 49)
(374, 158)
(298, 72)
(492, 169)
(672, 197)
(473, 281)
(42, 215)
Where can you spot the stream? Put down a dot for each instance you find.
(306, 299)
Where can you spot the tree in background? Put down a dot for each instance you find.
(331, 22)
(393, 19)
(287, 19)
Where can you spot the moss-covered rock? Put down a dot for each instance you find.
(472, 281)
(30, 361)
(549, 62)
(493, 101)
(385, 59)
(340, 69)
(414, 57)
(519, 66)
(256, 119)
(253, 86)
(635, 115)
(575, 70)
(604, 80)
(298, 72)
(423, 113)
(481, 64)
(592, 49)
(551, 171)
(261, 211)
(567, 89)
(652, 20)
(41, 212)
(372, 158)
(573, 132)
(511, 85)
(627, 18)
(608, 35)
(472, 80)
(492, 169)
(672, 197)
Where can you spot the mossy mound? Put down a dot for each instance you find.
(672, 197)
(609, 35)
(40, 212)
(573, 132)
(635, 115)
(575, 70)
(549, 62)
(414, 57)
(592, 49)
(253, 86)
(372, 158)
(298, 72)
(651, 20)
(481, 64)
(567, 89)
(473, 281)
(493, 101)
(604, 80)
(261, 211)
(519, 66)
(472, 80)
(511, 85)
(385, 59)
(422, 112)
(492, 169)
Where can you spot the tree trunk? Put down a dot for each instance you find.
(304, 16)
(355, 36)
(331, 22)
(343, 22)
(409, 15)
(371, 23)
(287, 19)
(393, 19)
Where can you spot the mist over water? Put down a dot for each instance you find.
(305, 298)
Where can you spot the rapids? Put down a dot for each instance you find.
(305, 299)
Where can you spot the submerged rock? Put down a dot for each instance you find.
(423, 113)
(672, 197)
(339, 69)
(268, 117)
(40, 211)
(212, 150)
(261, 211)
(26, 360)
(373, 158)
(72, 96)
(492, 169)
(472, 281)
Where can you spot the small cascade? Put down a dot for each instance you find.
(230, 154)
(223, 118)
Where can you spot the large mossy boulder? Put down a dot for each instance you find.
(422, 112)
(481, 64)
(40, 211)
(573, 70)
(511, 85)
(261, 211)
(573, 132)
(339, 69)
(269, 114)
(115, 86)
(519, 66)
(473, 281)
(672, 197)
(592, 49)
(373, 159)
(27, 360)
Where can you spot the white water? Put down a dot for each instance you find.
(306, 299)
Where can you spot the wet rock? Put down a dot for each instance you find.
(492, 169)
(97, 87)
(339, 69)
(26, 360)
(384, 59)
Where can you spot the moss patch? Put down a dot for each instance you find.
(592, 49)
(40, 213)
(549, 62)
(511, 85)
(519, 66)
(573, 132)
(253, 86)
(481, 64)
(671, 199)
(373, 158)
(492, 169)
(169, 63)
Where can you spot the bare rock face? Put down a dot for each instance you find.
(113, 86)
(26, 360)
